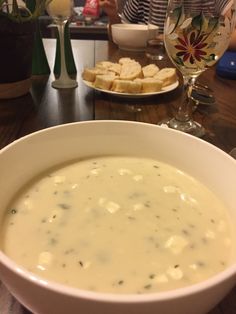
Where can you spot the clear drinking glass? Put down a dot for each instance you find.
(196, 35)
(155, 49)
(60, 11)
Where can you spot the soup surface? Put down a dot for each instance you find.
(119, 225)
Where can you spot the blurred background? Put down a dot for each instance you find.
(81, 27)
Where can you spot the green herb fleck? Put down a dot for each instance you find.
(81, 263)
(64, 206)
(53, 241)
(148, 286)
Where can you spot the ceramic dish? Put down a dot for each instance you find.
(132, 37)
(27, 157)
(129, 95)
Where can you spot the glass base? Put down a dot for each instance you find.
(190, 127)
(155, 57)
(64, 83)
(155, 50)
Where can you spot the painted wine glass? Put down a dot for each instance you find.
(60, 11)
(196, 34)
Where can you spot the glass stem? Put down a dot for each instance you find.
(61, 31)
(184, 112)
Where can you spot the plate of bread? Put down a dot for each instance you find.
(128, 78)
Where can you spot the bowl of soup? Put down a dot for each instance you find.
(117, 217)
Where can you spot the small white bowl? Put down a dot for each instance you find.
(29, 156)
(132, 37)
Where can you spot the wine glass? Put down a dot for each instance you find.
(196, 34)
(60, 11)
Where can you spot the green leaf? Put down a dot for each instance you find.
(15, 9)
(198, 21)
(177, 12)
(37, 7)
(213, 23)
(178, 61)
(176, 16)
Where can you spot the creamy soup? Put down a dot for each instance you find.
(119, 225)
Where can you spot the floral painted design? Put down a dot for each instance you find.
(196, 41)
(191, 47)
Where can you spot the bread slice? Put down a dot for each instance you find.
(89, 74)
(125, 60)
(120, 86)
(104, 81)
(167, 76)
(103, 64)
(130, 71)
(109, 66)
(115, 67)
(150, 85)
(135, 87)
(150, 70)
(125, 86)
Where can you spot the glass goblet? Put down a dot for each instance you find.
(60, 11)
(196, 34)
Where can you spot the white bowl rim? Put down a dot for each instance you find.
(230, 271)
(130, 26)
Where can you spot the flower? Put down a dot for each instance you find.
(191, 47)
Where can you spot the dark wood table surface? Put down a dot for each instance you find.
(45, 106)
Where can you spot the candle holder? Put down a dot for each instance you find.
(60, 11)
(69, 58)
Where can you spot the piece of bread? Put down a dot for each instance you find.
(109, 66)
(167, 76)
(89, 74)
(150, 85)
(104, 81)
(130, 71)
(125, 86)
(115, 67)
(120, 86)
(135, 87)
(125, 60)
(103, 64)
(128, 76)
(150, 70)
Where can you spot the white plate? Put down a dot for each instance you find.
(165, 89)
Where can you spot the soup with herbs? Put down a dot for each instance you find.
(119, 225)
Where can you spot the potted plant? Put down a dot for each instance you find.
(17, 27)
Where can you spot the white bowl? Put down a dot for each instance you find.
(132, 37)
(29, 156)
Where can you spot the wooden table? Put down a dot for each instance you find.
(45, 107)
